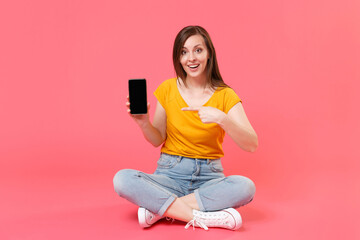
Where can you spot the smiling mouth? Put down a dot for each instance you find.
(193, 66)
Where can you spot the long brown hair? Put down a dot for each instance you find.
(212, 70)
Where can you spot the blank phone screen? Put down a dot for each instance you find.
(137, 96)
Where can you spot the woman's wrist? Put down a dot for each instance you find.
(223, 120)
(144, 123)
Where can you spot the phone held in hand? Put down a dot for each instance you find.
(137, 96)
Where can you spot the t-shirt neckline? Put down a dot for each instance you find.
(183, 100)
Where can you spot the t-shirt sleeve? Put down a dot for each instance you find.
(160, 93)
(230, 99)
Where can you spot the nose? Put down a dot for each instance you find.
(192, 56)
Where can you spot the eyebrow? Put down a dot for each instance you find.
(194, 46)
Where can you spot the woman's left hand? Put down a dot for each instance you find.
(208, 114)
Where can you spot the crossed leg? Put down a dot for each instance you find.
(216, 194)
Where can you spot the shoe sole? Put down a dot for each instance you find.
(237, 218)
(142, 218)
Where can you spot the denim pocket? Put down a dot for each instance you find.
(216, 166)
(167, 161)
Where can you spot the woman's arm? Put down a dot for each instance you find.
(154, 133)
(238, 127)
(235, 124)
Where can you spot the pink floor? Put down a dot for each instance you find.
(82, 205)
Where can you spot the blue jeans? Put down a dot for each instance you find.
(178, 176)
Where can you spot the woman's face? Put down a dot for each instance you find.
(194, 56)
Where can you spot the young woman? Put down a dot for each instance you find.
(193, 113)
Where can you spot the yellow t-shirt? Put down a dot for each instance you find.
(186, 135)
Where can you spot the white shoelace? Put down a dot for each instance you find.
(196, 222)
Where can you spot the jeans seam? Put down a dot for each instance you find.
(152, 181)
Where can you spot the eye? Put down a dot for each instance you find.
(183, 52)
(199, 50)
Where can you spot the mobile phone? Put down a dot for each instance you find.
(137, 96)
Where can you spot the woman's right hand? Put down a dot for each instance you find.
(140, 119)
(154, 133)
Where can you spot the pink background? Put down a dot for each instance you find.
(64, 130)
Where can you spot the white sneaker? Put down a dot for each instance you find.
(228, 218)
(147, 218)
